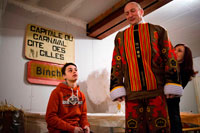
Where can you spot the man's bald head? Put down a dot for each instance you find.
(133, 12)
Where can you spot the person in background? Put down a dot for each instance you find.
(144, 70)
(185, 63)
(67, 111)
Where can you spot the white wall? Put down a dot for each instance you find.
(190, 96)
(197, 82)
(188, 100)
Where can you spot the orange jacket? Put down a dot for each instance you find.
(61, 115)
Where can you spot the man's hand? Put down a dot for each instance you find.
(120, 99)
(86, 129)
(78, 130)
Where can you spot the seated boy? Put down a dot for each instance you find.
(67, 110)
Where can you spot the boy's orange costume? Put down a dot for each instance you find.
(66, 109)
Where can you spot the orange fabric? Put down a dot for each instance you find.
(63, 116)
(130, 51)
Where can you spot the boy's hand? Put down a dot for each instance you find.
(78, 130)
(86, 129)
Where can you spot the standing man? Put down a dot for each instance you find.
(144, 70)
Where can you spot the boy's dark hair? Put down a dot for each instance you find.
(64, 67)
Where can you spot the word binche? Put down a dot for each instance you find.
(48, 72)
(52, 33)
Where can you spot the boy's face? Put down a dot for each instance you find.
(71, 73)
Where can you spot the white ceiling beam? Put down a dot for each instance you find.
(49, 13)
(69, 8)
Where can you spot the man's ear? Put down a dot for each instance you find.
(142, 12)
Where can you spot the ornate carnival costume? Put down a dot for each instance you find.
(143, 68)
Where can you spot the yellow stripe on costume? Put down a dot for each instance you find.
(116, 88)
(173, 84)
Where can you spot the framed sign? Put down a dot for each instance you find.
(49, 45)
(44, 73)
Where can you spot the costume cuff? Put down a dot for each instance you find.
(117, 92)
(173, 88)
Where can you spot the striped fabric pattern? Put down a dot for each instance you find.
(131, 55)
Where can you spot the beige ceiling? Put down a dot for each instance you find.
(77, 12)
(180, 17)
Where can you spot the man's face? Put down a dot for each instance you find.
(71, 73)
(133, 13)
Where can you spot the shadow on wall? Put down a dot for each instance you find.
(97, 92)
